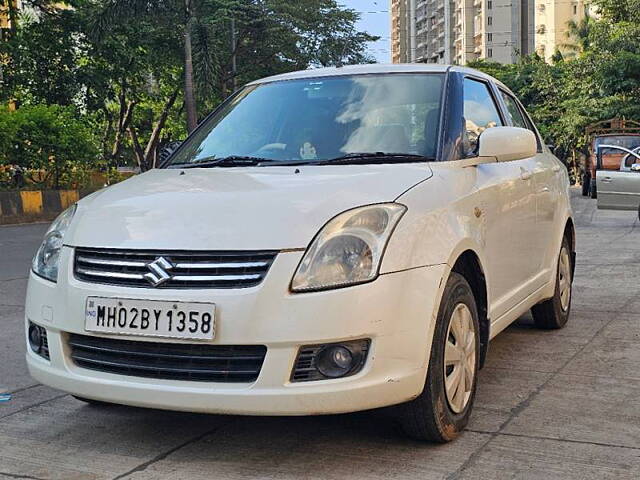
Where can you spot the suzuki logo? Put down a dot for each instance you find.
(158, 271)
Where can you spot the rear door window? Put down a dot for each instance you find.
(518, 116)
(514, 112)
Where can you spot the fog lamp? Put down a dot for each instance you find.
(334, 361)
(330, 360)
(37, 337)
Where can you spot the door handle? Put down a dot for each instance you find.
(606, 179)
(544, 189)
(525, 174)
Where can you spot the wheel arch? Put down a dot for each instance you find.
(570, 234)
(468, 265)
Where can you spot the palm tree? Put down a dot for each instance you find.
(580, 33)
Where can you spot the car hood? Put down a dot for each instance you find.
(256, 208)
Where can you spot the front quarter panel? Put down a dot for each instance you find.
(440, 222)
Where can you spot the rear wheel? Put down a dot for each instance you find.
(443, 408)
(554, 313)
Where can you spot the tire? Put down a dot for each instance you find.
(435, 415)
(91, 402)
(553, 314)
(586, 184)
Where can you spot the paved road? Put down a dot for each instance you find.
(551, 405)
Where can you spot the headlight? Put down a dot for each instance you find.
(348, 250)
(45, 263)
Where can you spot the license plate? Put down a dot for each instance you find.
(150, 317)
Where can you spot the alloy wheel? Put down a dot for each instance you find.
(460, 358)
(564, 278)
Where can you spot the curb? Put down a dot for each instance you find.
(29, 206)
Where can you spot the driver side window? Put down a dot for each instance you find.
(480, 113)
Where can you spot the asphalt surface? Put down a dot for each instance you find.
(550, 405)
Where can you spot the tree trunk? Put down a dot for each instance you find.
(189, 95)
(124, 119)
(146, 158)
(137, 150)
(108, 130)
(149, 153)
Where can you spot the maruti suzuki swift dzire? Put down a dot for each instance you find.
(326, 241)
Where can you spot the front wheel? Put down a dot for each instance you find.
(554, 313)
(443, 408)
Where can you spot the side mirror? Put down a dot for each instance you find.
(507, 143)
(635, 167)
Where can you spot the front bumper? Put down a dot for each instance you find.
(397, 312)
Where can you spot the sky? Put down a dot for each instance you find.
(376, 23)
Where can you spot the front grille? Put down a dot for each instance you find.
(173, 361)
(178, 269)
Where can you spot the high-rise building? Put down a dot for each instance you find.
(7, 8)
(401, 30)
(551, 19)
(458, 31)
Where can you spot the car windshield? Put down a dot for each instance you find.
(321, 119)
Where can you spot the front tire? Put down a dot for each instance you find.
(442, 410)
(553, 314)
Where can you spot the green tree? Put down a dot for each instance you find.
(271, 36)
(47, 141)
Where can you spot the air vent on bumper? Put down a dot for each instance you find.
(175, 361)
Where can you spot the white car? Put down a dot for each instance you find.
(326, 241)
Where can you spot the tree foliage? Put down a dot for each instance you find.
(124, 68)
(600, 80)
(47, 142)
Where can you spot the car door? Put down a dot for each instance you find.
(619, 190)
(505, 193)
(546, 170)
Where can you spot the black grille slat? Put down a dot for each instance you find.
(191, 269)
(174, 361)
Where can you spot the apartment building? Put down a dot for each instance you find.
(402, 30)
(551, 18)
(8, 8)
(458, 31)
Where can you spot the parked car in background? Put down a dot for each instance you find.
(619, 190)
(326, 241)
(616, 131)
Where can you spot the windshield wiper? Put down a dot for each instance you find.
(349, 158)
(375, 157)
(230, 161)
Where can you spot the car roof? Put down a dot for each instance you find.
(374, 68)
